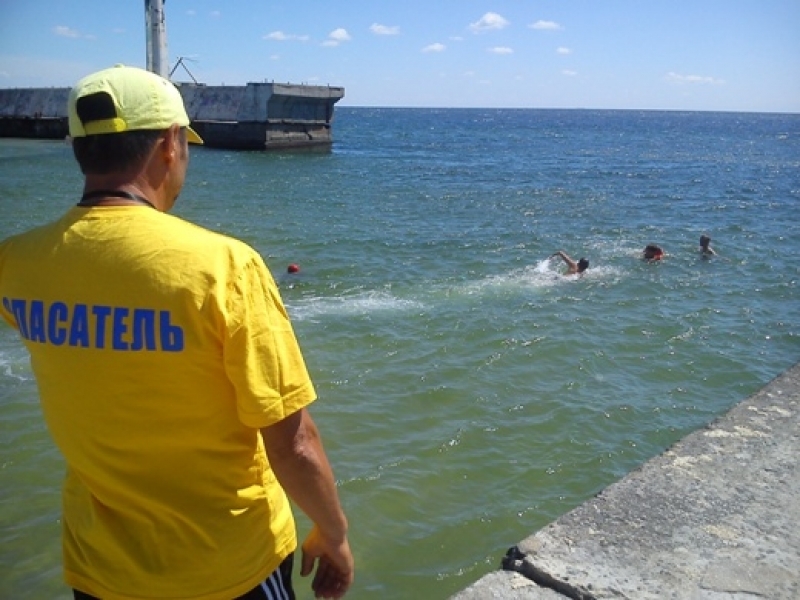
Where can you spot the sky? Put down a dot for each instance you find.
(711, 55)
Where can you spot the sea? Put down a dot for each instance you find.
(470, 392)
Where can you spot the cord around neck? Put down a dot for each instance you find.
(92, 198)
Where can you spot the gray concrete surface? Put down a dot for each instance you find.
(256, 116)
(716, 516)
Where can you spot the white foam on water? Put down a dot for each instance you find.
(357, 304)
(544, 274)
(15, 364)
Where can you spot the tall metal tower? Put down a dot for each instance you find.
(155, 21)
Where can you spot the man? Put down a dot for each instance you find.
(169, 375)
(705, 246)
(652, 252)
(573, 267)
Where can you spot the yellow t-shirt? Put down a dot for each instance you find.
(159, 349)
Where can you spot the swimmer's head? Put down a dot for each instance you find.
(704, 241)
(652, 252)
(583, 264)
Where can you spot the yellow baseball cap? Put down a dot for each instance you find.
(126, 99)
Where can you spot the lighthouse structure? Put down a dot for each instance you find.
(156, 27)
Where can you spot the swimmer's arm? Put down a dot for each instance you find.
(566, 258)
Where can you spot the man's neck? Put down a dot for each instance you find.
(103, 190)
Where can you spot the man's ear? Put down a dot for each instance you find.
(171, 143)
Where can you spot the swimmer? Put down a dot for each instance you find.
(653, 252)
(573, 267)
(705, 248)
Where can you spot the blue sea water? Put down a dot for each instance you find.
(470, 392)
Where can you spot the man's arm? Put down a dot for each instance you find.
(298, 459)
(566, 258)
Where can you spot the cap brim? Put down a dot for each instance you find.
(192, 137)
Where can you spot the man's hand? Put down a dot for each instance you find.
(334, 574)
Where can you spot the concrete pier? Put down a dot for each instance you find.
(262, 116)
(716, 516)
(256, 116)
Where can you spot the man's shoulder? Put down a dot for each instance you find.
(28, 236)
(210, 250)
(204, 237)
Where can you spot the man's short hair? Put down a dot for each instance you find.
(104, 154)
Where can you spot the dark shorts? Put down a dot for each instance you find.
(278, 586)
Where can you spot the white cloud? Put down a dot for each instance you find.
(437, 47)
(677, 78)
(500, 50)
(279, 36)
(191, 12)
(65, 31)
(456, 38)
(545, 25)
(563, 50)
(569, 73)
(336, 37)
(379, 29)
(68, 32)
(215, 14)
(488, 21)
(340, 35)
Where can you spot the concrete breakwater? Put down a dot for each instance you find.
(715, 516)
(258, 116)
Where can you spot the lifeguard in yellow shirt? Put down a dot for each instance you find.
(169, 375)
